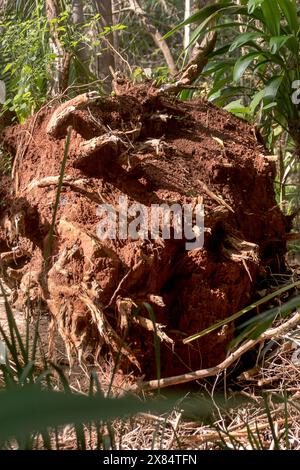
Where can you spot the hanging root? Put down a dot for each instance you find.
(111, 338)
(67, 311)
(238, 250)
(125, 316)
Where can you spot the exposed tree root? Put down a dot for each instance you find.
(61, 119)
(125, 311)
(239, 250)
(111, 338)
(104, 144)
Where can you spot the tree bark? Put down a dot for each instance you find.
(106, 59)
(62, 62)
(187, 28)
(78, 20)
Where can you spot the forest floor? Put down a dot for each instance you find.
(255, 423)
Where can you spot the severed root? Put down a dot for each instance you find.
(9, 256)
(120, 285)
(157, 300)
(65, 256)
(157, 328)
(215, 197)
(196, 64)
(16, 273)
(30, 290)
(219, 214)
(77, 185)
(63, 115)
(50, 181)
(240, 250)
(124, 308)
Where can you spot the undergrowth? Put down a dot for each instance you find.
(43, 406)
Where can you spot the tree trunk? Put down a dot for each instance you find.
(62, 62)
(155, 34)
(187, 28)
(82, 52)
(106, 59)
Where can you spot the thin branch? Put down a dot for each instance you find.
(195, 66)
(155, 34)
(117, 53)
(271, 333)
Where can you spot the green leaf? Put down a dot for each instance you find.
(7, 68)
(203, 14)
(236, 107)
(289, 8)
(258, 324)
(272, 87)
(256, 99)
(252, 4)
(220, 96)
(219, 65)
(242, 112)
(220, 51)
(242, 312)
(293, 44)
(271, 105)
(272, 16)
(29, 409)
(277, 42)
(242, 64)
(243, 39)
(202, 27)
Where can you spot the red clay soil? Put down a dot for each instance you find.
(94, 289)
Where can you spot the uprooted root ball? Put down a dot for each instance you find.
(153, 150)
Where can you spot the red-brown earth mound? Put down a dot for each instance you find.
(153, 150)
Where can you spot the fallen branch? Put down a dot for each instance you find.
(271, 333)
(195, 66)
(155, 34)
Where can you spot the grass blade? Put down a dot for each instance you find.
(242, 312)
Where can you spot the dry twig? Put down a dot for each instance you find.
(271, 333)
